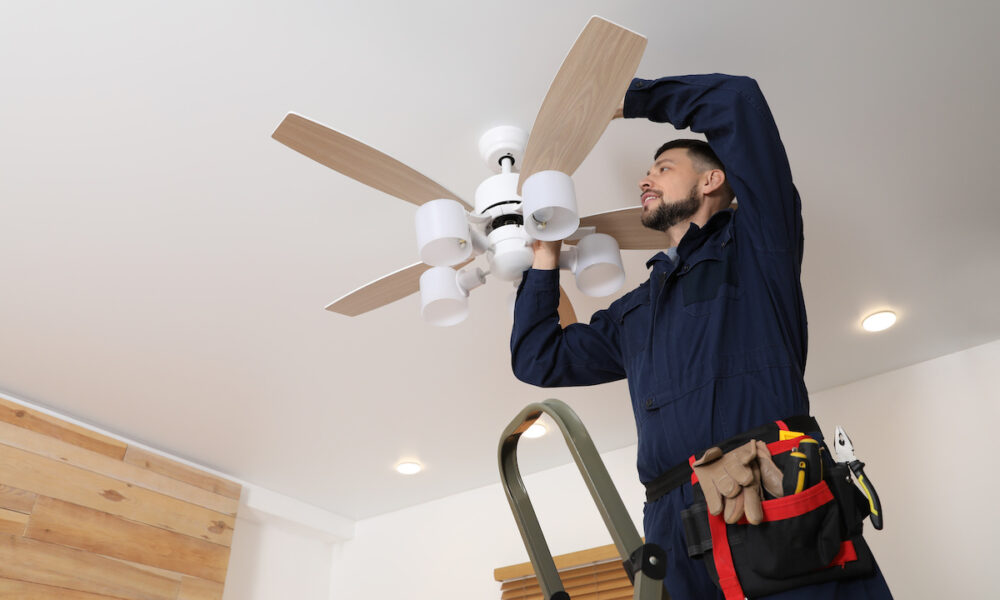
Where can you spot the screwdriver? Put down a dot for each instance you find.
(794, 476)
(811, 449)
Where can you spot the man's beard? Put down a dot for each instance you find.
(667, 215)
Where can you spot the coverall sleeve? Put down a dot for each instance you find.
(547, 355)
(733, 115)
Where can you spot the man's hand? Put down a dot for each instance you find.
(546, 254)
(620, 111)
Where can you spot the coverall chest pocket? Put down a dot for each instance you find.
(708, 284)
(634, 323)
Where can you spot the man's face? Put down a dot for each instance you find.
(669, 191)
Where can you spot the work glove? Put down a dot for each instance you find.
(770, 475)
(731, 481)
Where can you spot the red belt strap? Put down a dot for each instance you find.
(721, 554)
(847, 554)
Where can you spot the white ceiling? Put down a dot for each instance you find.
(165, 263)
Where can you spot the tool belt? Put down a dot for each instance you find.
(810, 535)
(680, 474)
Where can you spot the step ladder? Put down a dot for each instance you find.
(645, 564)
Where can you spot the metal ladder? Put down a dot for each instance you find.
(645, 564)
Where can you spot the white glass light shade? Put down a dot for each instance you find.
(549, 205)
(442, 301)
(443, 237)
(598, 267)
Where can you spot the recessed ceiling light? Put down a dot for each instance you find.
(535, 431)
(409, 467)
(879, 321)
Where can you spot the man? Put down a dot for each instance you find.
(713, 344)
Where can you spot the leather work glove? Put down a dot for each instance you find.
(770, 475)
(731, 481)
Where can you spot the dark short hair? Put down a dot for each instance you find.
(702, 155)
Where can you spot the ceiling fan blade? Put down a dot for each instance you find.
(359, 161)
(583, 97)
(625, 225)
(384, 290)
(567, 316)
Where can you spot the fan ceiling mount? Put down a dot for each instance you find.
(530, 197)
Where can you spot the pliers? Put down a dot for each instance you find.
(845, 454)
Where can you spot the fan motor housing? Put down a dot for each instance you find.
(495, 192)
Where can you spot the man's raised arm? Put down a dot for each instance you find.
(733, 115)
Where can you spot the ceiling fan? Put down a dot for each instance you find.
(512, 207)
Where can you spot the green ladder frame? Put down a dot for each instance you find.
(644, 563)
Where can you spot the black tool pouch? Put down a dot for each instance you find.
(808, 537)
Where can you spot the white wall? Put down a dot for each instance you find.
(282, 548)
(448, 548)
(270, 561)
(923, 430)
(927, 434)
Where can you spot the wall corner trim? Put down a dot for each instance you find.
(263, 506)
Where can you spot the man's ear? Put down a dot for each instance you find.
(712, 181)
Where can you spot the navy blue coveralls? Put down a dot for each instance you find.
(713, 345)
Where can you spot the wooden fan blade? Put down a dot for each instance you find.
(567, 316)
(583, 97)
(625, 225)
(359, 161)
(384, 290)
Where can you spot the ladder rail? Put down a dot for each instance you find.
(602, 489)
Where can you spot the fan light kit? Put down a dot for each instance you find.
(502, 226)
(530, 197)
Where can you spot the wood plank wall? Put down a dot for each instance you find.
(87, 517)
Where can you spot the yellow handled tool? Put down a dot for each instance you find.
(796, 472)
(845, 453)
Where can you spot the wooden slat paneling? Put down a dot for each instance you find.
(576, 582)
(22, 590)
(563, 561)
(12, 522)
(98, 463)
(85, 517)
(14, 499)
(47, 477)
(154, 570)
(200, 589)
(18, 415)
(182, 472)
(594, 574)
(604, 571)
(76, 526)
(49, 564)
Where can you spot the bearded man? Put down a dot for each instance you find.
(713, 344)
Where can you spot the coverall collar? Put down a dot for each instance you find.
(695, 236)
